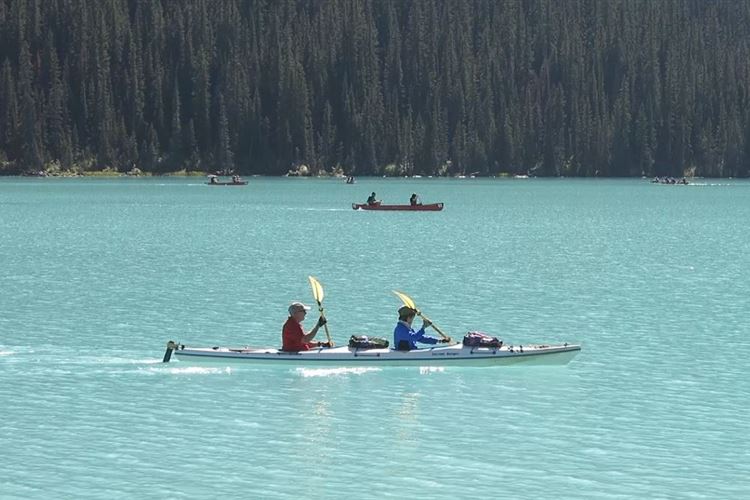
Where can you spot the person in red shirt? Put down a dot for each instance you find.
(293, 337)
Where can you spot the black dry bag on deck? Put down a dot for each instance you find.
(365, 342)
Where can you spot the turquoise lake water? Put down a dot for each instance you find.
(652, 280)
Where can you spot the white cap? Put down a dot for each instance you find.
(297, 306)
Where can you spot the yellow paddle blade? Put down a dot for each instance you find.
(405, 299)
(317, 289)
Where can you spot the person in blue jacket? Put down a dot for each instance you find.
(404, 336)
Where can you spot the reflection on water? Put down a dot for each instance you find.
(333, 372)
(407, 419)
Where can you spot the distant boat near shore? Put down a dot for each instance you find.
(670, 180)
(214, 180)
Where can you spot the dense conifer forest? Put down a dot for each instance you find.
(574, 88)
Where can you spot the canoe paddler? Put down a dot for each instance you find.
(404, 336)
(373, 199)
(293, 336)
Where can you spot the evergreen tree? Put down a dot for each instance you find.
(9, 114)
(578, 87)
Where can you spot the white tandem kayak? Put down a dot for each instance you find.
(451, 355)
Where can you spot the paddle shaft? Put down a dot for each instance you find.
(328, 335)
(433, 325)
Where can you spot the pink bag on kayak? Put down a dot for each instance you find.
(481, 339)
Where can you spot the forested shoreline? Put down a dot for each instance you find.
(547, 87)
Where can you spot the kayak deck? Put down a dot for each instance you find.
(453, 355)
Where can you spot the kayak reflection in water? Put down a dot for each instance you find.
(404, 336)
(294, 338)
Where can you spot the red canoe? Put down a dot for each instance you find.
(241, 183)
(430, 207)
